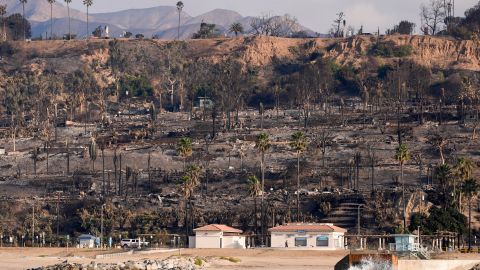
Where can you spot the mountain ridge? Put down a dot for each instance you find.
(159, 21)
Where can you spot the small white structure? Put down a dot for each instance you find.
(405, 243)
(86, 241)
(217, 236)
(2, 151)
(323, 236)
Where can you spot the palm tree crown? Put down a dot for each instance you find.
(180, 5)
(254, 186)
(402, 154)
(190, 180)
(88, 3)
(464, 168)
(185, 147)
(263, 142)
(470, 187)
(298, 142)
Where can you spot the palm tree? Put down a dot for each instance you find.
(471, 188)
(179, 9)
(254, 189)
(298, 143)
(263, 145)
(443, 173)
(463, 170)
(24, 2)
(3, 12)
(236, 28)
(185, 149)
(88, 3)
(402, 155)
(190, 181)
(69, 19)
(51, 2)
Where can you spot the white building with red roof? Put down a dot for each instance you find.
(217, 236)
(324, 236)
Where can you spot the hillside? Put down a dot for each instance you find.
(433, 52)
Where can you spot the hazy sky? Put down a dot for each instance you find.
(315, 14)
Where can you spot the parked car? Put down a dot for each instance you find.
(133, 243)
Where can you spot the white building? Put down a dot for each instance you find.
(308, 235)
(86, 241)
(217, 236)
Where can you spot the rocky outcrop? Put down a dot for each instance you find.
(168, 264)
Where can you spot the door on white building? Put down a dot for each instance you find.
(221, 243)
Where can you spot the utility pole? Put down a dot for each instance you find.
(33, 224)
(58, 224)
(358, 219)
(101, 226)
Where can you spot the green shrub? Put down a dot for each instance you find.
(230, 259)
(198, 261)
(389, 49)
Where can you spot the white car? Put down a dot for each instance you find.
(133, 243)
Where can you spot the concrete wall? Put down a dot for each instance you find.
(207, 239)
(437, 264)
(335, 240)
(234, 242)
(213, 239)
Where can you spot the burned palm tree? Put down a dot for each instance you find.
(254, 190)
(185, 149)
(402, 155)
(51, 2)
(298, 143)
(263, 145)
(92, 151)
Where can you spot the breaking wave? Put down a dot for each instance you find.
(370, 264)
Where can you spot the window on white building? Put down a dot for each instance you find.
(300, 241)
(322, 241)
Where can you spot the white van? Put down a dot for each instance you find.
(133, 243)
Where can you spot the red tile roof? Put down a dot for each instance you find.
(217, 228)
(308, 227)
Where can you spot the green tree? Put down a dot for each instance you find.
(180, 6)
(88, 3)
(463, 170)
(236, 28)
(471, 188)
(24, 2)
(402, 155)
(298, 143)
(185, 149)
(263, 145)
(51, 2)
(443, 174)
(254, 190)
(69, 19)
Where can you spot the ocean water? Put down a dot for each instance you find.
(369, 264)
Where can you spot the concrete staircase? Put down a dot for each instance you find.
(345, 214)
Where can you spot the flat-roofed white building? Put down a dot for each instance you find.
(217, 236)
(323, 236)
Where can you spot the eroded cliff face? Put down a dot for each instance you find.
(434, 52)
(67, 56)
